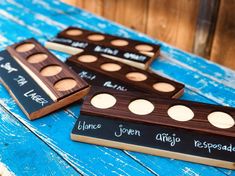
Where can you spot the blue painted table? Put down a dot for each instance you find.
(43, 147)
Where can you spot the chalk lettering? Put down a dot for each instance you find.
(114, 86)
(35, 97)
(20, 80)
(106, 50)
(8, 67)
(84, 126)
(135, 56)
(62, 40)
(127, 131)
(86, 75)
(166, 138)
(212, 146)
(79, 44)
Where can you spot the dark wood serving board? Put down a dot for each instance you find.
(195, 140)
(120, 76)
(128, 54)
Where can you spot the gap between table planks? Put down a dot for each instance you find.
(18, 145)
(44, 4)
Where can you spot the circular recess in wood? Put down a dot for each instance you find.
(136, 76)
(141, 107)
(180, 113)
(74, 32)
(110, 67)
(25, 47)
(103, 101)
(87, 58)
(221, 120)
(50, 70)
(119, 42)
(65, 84)
(163, 87)
(36, 58)
(144, 47)
(96, 37)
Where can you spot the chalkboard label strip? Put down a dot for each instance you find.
(135, 53)
(138, 79)
(48, 71)
(31, 98)
(37, 80)
(97, 79)
(184, 127)
(156, 140)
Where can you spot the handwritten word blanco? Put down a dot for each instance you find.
(20, 80)
(114, 86)
(85, 74)
(135, 56)
(8, 67)
(84, 126)
(35, 97)
(127, 131)
(211, 146)
(166, 138)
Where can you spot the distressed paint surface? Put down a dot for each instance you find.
(22, 153)
(205, 82)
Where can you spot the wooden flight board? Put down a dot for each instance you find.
(179, 129)
(133, 78)
(135, 53)
(97, 79)
(38, 81)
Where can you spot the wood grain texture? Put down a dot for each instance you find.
(18, 144)
(130, 46)
(143, 86)
(143, 139)
(224, 40)
(192, 70)
(49, 81)
(173, 22)
(133, 52)
(94, 6)
(131, 13)
(159, 115)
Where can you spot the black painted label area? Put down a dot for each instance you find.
(157, 136)
(97, 79)
(29, 94)
(133, 56)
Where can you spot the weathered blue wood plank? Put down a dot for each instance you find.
(55, 130)
(204, 86)
(106, 26)
(24, 154)
(197, 85)
(199, 64)
(101, 25)
(117, 161)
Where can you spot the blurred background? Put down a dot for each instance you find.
(202, 27)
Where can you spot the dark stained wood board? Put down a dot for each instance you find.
(127, 53)
(143, 86)
(196, 140)
(97, 79)
(51, 60)
(25, 80)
